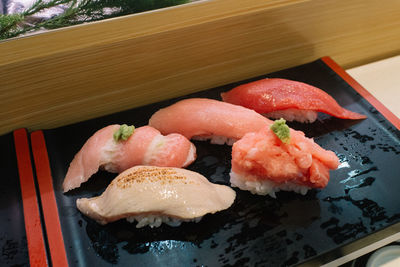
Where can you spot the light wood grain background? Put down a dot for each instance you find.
(77, 73)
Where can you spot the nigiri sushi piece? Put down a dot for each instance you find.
(278, 158)
(153, 195)
(291, 100)
(202, 119)
(116, 148)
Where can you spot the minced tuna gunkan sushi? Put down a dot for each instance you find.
(278, 158)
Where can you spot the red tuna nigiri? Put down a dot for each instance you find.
(201, 118)
(291, 100)
(146, 146)
(263, 164)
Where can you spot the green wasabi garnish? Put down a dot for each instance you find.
(123, 132)
(281, 130)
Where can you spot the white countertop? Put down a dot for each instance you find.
(382, 80)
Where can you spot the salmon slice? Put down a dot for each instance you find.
(146, 146)
(288, 99)
(201, 118)
(152, 195)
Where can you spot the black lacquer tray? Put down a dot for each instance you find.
(361, 198)
(13, 244)
(21, 237)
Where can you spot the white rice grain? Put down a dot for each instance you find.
(291, 114)
(216, 139)
(157, 220)
(265, 187)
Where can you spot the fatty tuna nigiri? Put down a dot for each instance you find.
(291, 100)
(268, 161)
(201, 118)
(116, 148)
(153, 195)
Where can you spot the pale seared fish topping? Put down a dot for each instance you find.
(152, 195)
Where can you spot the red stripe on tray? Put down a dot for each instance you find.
(50, 211)
(33, 226)
(363, 92)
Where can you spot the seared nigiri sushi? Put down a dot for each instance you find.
(153, 195)
(116, 148)
(201, 119)
(278, 158)
(291, 100)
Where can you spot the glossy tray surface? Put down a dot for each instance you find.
(362, 196)
(13, 244)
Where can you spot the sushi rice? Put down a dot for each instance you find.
(292, 114)
(157, 220)
(216, 139)
(265, 187)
